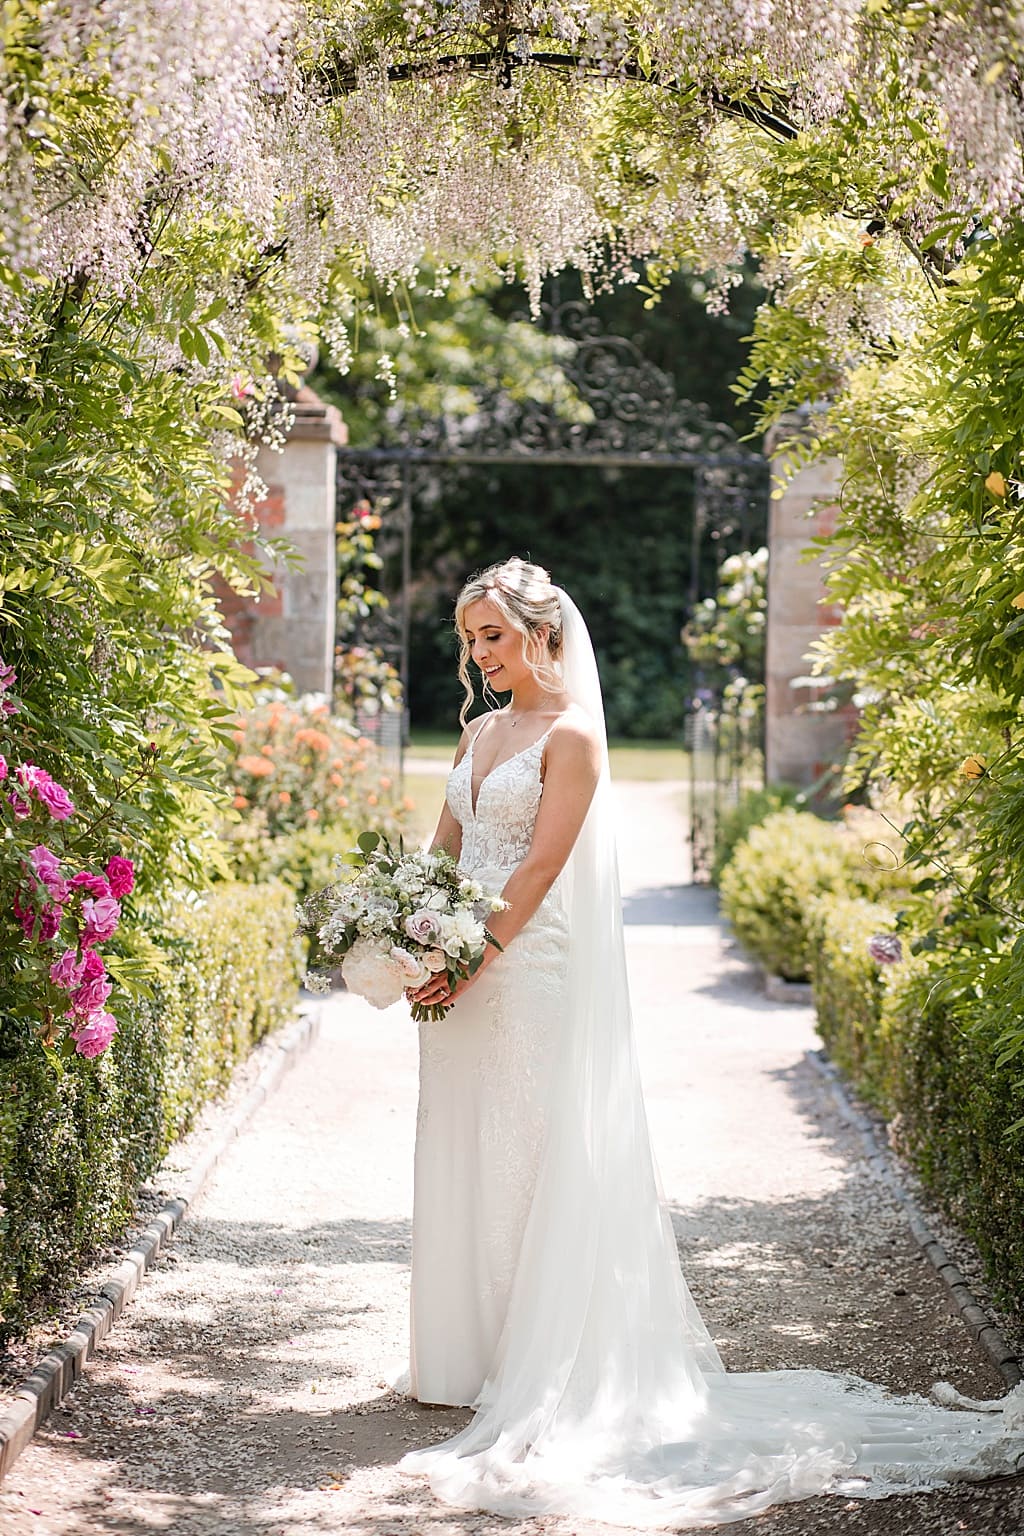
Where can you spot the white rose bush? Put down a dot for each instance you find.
(398, 920)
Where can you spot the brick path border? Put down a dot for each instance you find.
(983, 1328)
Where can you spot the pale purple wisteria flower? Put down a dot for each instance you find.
(885, 948)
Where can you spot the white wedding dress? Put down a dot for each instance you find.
(546, 1287)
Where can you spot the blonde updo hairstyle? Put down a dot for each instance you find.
(527, 600)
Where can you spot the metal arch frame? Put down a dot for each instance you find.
(603, 405)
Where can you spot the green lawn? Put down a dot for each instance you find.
(646, 760)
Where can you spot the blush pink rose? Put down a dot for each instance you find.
(101, 915)
(120, 875)
(69, 970)
(422, 926)
(93, 1037)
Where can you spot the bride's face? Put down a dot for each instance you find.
(494, 646)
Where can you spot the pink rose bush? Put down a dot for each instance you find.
(64, 912)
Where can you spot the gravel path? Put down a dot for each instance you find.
(245, 1390)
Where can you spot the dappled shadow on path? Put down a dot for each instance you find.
(679, 906)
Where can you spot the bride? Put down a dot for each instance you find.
(546, 1287)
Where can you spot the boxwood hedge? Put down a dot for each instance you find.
(74, 1149)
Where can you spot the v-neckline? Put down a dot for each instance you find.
(489, 775)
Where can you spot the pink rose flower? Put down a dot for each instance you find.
(92, 966)
(20, 806)
(94, 884)
(25, 915)
(8, 707)
(91, 995)
(36, 781)
(121, 875)
(47, 868)
(56, 799)
(3, 767)
(101, 915)
(93, 1037)
(69, 970)
(49, 923)
(8, 676)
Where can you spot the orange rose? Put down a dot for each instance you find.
(284, 797)
(240, 802)
(313, 738)
(257, 766)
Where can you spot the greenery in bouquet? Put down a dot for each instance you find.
(398, 920)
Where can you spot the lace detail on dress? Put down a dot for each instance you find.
(498, 833)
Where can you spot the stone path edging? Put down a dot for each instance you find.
(57, 1372)
(984, 1329)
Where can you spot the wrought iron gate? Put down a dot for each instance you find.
(601, 404)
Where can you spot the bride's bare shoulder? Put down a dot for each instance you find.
(574, 737)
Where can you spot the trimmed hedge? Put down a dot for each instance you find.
(919, 1038)
(74, 1149)
(849, 987)
(736, 823)
(772, 880)
(953, 1105)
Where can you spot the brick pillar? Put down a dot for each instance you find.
(802, 738)
(293, 628)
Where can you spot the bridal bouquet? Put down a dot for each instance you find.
(401, 918)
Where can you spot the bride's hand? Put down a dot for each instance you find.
(436, 990)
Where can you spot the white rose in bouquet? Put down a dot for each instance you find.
(435, 960)
(370, 972)
(414, 971)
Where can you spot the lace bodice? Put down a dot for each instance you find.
(496, 835)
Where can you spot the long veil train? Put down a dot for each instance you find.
(608, 1398)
